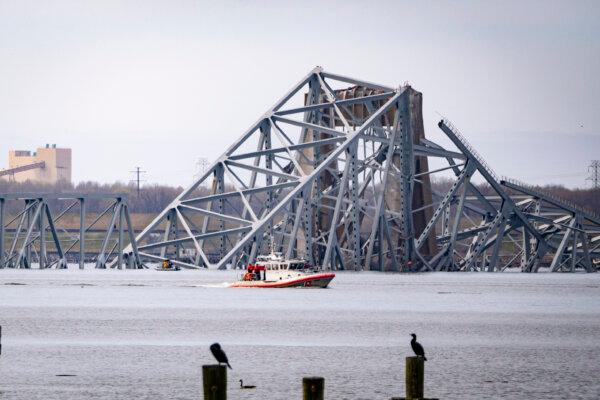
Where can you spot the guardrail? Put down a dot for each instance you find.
(558, 199)
(469, 147)
(515, 182)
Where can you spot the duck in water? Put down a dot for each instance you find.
(242, 386)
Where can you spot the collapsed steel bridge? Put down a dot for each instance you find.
(337, 172)
(36, 234)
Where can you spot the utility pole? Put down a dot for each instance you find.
(137, 179)
(594, 170)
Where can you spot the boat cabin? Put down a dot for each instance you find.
(274, 267)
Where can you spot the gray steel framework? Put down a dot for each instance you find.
(571, 232)
(338, 175)
(30, 232)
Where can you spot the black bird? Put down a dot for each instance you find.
(242, 386)
(219, 354)
(417, 348)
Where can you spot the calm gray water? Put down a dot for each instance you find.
(145, 335)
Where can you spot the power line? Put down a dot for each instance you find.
(137, 179)
(594, 170)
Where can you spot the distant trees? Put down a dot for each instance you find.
(587, 198)
(154, 198)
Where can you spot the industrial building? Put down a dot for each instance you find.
(47, 164)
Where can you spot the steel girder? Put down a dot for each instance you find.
(336, 172)
(473, 226)
(311, 179)
(571, 232)
(512, 225)
(31, 232)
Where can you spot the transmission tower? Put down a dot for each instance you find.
(202, 166)
(138, 172)
(594, 170)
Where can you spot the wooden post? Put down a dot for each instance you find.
(313, 388)
(214, 380)
(415, 371)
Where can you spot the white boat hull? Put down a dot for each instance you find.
(318, 280)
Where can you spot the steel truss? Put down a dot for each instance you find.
(31, 232)
(339, 175)
(571, 232)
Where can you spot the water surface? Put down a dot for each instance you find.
(145, 334)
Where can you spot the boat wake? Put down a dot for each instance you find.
(210, 285)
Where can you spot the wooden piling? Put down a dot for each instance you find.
(313, 388)
(415, 374)
(214, 381)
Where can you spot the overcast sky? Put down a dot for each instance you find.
(158, 84)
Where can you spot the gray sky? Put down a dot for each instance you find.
(161, 83)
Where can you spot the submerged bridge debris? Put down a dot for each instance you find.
(337, 172)
(35, 235)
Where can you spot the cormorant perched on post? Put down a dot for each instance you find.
(417, 348)
(219, 354)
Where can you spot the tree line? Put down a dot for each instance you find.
(151, 199)
(154, 198)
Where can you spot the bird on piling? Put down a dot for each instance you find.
(417, 348)
(219, 354)
(242, 386)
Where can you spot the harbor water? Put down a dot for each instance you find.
(97, 334)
